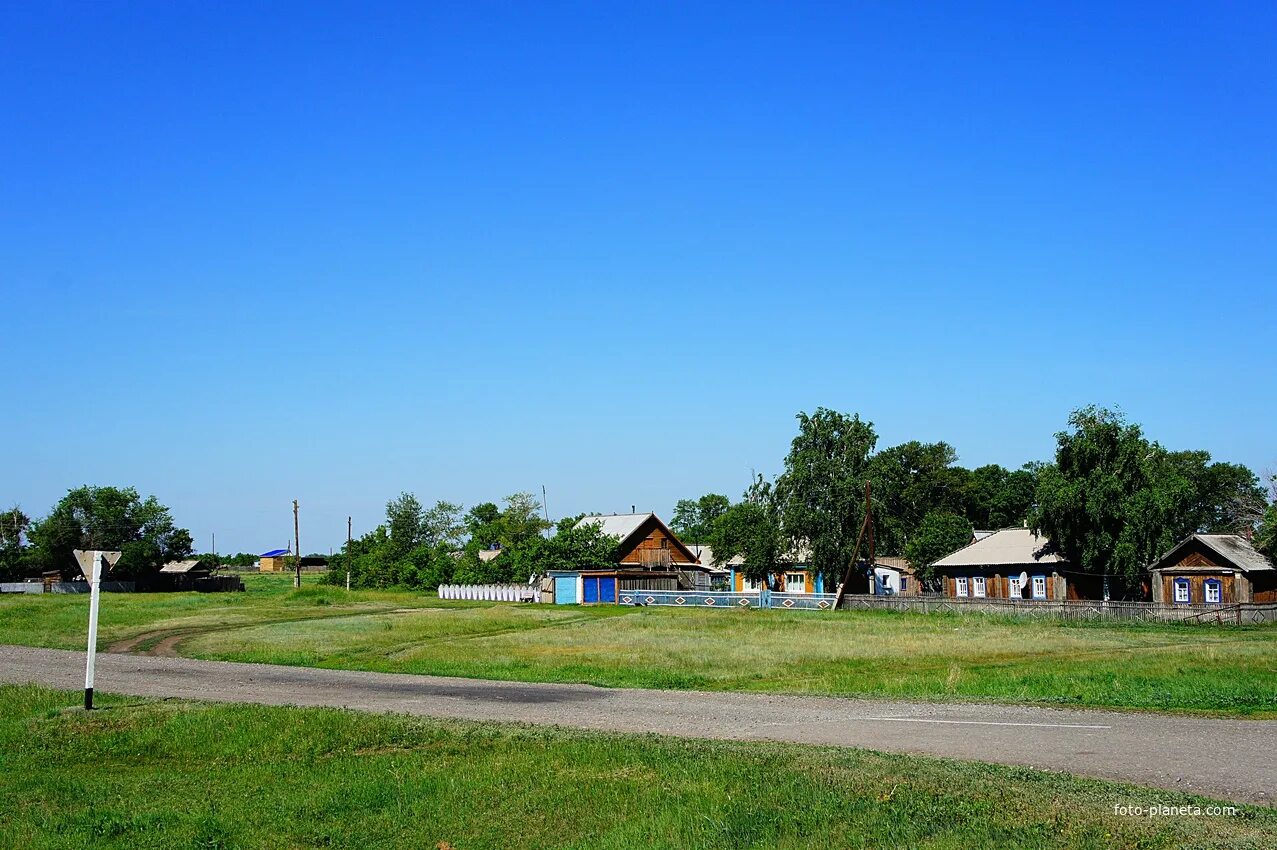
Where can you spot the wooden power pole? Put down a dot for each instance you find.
(297, 545)
(347, 554)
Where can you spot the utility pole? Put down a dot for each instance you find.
(347, 554)
(297, 544)
(214, 544)
(545, 505)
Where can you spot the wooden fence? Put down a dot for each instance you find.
(1073, 609)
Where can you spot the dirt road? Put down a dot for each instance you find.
(1230, 759)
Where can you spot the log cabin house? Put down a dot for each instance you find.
(649, 556)
(991, 567)
(1213, 569)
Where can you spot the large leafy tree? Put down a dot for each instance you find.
(519, 525)
(997, 497)
(909, 481)
(821, 492)
(939, 533)
(1266, 533)
(694, 519)
(752, 531)
(109, 518)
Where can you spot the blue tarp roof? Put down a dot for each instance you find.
(274, 553)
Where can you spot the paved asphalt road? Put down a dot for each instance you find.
(1230, 759)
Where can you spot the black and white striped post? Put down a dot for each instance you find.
(92, 563)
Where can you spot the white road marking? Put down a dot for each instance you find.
(987, 723)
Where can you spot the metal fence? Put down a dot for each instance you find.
(728, 599)
(64, 587)
(491, 592)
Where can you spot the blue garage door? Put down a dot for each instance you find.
(600, 589)
(565, 590)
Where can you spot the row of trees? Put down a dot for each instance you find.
(424, 547)
(92, 518)
(1112, 500)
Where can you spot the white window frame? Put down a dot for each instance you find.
(1039, 581)
(1183, 584)
(1014, 590)
(796, 578)
(960, 586)
(1213, 586)
(979, 587)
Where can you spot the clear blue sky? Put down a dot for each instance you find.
(334, 253)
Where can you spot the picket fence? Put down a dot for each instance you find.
(490, 592)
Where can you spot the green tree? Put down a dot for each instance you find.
(109, 518)
(997, 497)
(821, 493)
(14, 525)
(752, 530)
(1266, 533)
(694, 519)
(573, 546)
(939, 533)
(1114, 501)
(909, 481)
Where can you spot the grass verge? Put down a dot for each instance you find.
(143, 774)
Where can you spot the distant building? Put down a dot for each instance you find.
(1213, 569)
(275, 561)
(893, 576)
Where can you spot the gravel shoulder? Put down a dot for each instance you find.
(1228, 759)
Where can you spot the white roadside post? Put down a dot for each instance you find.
(91, 564)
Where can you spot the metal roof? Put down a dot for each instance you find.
(1233, 548)
(1008, 547)
(180, 566)
(275, 553)
(618, 525)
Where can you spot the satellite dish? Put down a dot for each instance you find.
(1024, 582)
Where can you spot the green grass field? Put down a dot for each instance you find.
(144, 774)
(1227, 671)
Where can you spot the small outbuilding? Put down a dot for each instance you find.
(275, 561)
(1213, 569)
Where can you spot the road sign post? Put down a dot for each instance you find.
(92, 564)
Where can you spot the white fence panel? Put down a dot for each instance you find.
(491, 592)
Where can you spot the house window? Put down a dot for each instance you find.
(1039, 587)
(960, 586)
(795, 582)
(1013, 587)
(977, 586)
(1212, 590)
(1181, 590)
(904, 583)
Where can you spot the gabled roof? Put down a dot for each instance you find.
(275, 553)
(180, 566)
(625, 526)
(893, 562)
(1233, 549)
(1010, 547)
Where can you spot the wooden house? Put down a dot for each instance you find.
(649, 556)
(1213, 569)
(1013, 563)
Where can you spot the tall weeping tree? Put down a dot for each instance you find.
(821, 493)
(1114, 501)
